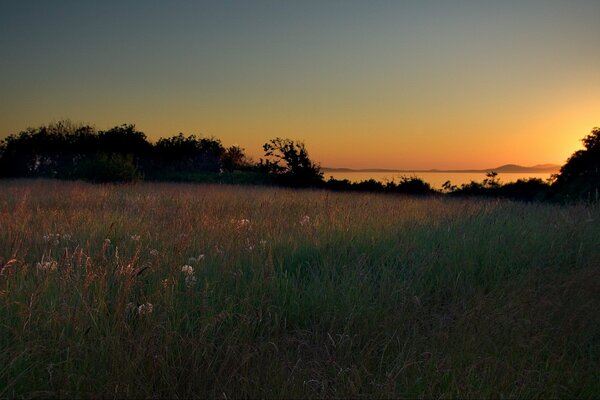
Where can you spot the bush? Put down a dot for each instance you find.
(108, 168)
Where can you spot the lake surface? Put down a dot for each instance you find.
(435, 179)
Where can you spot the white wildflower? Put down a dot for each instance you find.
(135, 238)
(263, 242)
(107, 241)
(187, 270)
(66, 236)
(145, 309)
(46, 266)
(305, 220)
(154, 252)
(242, 223)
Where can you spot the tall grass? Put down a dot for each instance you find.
(293, 294)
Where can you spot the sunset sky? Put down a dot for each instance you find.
(383, 84)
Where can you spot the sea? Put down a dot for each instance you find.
(435, 179)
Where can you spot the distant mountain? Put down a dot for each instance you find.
(507, 168)
(541, 168)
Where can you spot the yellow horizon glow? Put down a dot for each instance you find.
(395, 85)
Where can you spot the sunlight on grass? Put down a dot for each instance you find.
(177, 290)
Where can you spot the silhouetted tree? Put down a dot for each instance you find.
(288, 161)
(449, 187)
(579, 178)
(234, 158)
(48, 151)
(532, 189)
(491, 180)
(413, 185)
(368, 185)
(124, 139)
(189, 153)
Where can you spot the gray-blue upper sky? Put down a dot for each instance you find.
(365, 83)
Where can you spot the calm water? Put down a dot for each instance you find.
(435, 179)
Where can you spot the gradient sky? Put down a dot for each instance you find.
(388, 84)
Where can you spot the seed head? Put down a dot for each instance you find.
(187, 270)
(145, 309)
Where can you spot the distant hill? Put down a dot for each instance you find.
(507, 168)
(550, 168)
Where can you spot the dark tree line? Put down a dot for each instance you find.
(65, 150)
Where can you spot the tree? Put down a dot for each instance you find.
(234, 158)
(579, 178)
(288, 161)
(124, 139)
(491, 181)
(413, 185)
(49, 151)
(189, 154)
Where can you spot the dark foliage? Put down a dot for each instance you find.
(66, 150)
(412, 185)
(407, 185)
(579, 178)
(287, 161)
(108, 167)
(234, 158)
(180, 153)
(533, 189)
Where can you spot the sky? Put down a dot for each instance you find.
(365, 84)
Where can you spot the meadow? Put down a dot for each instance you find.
(177, 290)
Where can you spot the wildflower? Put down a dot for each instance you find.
(154, 252)
(242, 223)
(66, 236)
(145, 309)
(135, 238)
(305, 220)
(107, 241)
(53, 237)
(187, 270)
(46, 266)
(263, 242)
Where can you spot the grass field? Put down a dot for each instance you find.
(173, 290)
